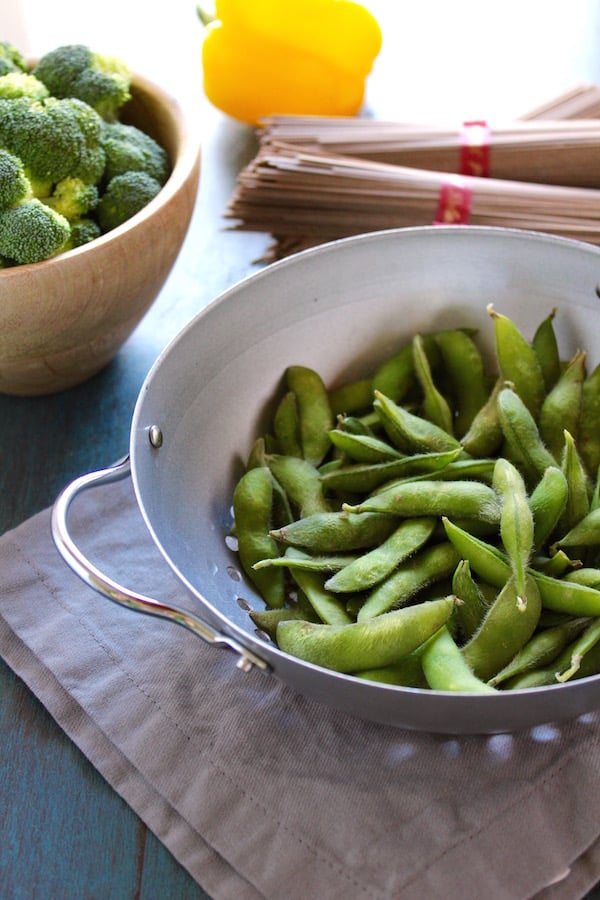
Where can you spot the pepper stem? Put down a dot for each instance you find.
(205, 17)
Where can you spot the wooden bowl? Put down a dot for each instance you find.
(63, 319)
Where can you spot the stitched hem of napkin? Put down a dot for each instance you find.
(203, 863)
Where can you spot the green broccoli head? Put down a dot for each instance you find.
(31, 232)
(128, 149)
(124, 196)
(74, 70)
(73, 198)
(21, 84)
(11, 58)
(83, 231)
(54, 139)
(14, 184)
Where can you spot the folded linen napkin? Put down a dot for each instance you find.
(260, 792)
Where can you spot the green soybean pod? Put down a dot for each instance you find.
(548, 501)
(252, 508)
(365, 478)
(375, 643)
(407, 672)
(446, 669)
(352, 398)
(588, 575)
(428, 566)
(473, 605)
(267, 620)
(435, 406)
(396, 375)
(561, 407)
(486, 560)
(579, 490)
(541, 649)
(586, 533)
(545, 344)
(286, 425)
(516, 519)
(372, 567)
(327, 607)
(518, 362)
(484, 435)
(364, 447)
(336, 532)
(410, 432)
(588, 434)
(563, 595)
(301, 482)
(465, 370)
(590, 665)
(467, 499)
(582, 645)
(314, 412)
(522, 434)
(508, 624)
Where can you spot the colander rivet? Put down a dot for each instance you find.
(155, 436)
(244, 664)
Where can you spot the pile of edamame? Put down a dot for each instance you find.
(437, 524)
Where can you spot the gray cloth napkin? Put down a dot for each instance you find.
(260, 792)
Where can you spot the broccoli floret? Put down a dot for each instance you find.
(124, 196)
(82, 232)
(128, 149)
(11, 58)
(31, 232)
(14, 184)
(73, 198)
(21, 84)
(54, 139)
(74, 70)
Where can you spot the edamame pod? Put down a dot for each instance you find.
(547, 501)
(518, 362)
(286, 425)
(468, 499)
(267, 620)
(328, 608)
(578, 486)
(541, 649)
(364, 448)
(445, 667)
(486, 560)
(588, 440)
(365, 478)
(516, 520)
(336, 532)
(522, 434)
(252, 505)
(370, 568)
(484, 436)
(464, 368)
(428, 566)
(508, 624)
(301, 482)
(410, 432)
(396, 375)
(353, 398)
(434, 405)
(561, 406)
(546, 349)
(314, 412)
(472, 606)
(586, 533)
(407, 672)
(375, 643)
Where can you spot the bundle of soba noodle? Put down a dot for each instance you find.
(317, 179)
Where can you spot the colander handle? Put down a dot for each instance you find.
(104, 585)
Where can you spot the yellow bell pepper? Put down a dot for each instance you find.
(288, 57)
